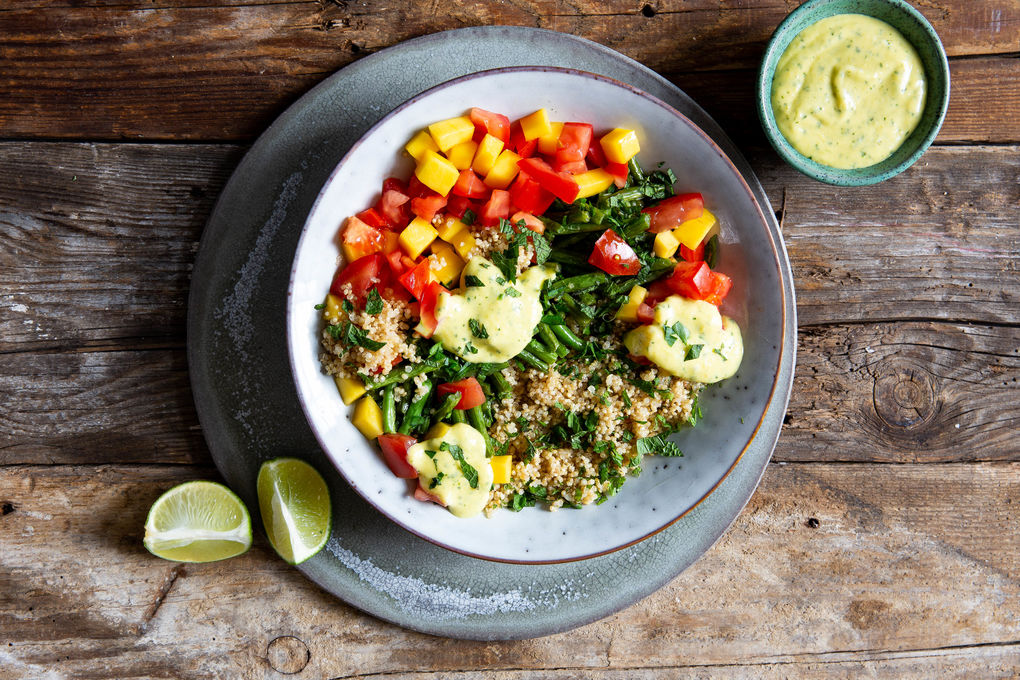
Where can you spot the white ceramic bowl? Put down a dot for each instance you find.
(668, 488)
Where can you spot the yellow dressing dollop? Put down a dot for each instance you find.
(721, 345)
(848, 90)
(440, 463)
(494, 319)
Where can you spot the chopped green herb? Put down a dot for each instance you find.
(468, 218)
(347, 306)
(513, 292)
(457, 453)
(478, 329)
(437, 480)
(718, 351)
(472, 281)
(626, 399)
(675, 332)
(373, 303)
(321, 305)
(470, 349)
(693, 352)
(657, 444)
(351, 335)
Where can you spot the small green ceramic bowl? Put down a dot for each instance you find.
(916, 29)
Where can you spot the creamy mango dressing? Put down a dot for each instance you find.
(848, 90)
(454, 469)
(490, 319)
(689, 339)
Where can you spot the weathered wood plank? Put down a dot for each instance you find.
(97, 241)
(190, 70)
(910, 570)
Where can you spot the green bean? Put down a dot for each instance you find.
(562, 257)
(576, 283)
(635, 170)
(637, 226)
(447, 407)
(458, 417)
(540, 351)
(389, 409)
(414, 411)
(549, 338)
(629, 194)
(562, 351)
(575, 309)
(578, 213)
(598, 215)
(568, 337)
(500, 385)
(533, 361)
(577, 227)
(478, 421)
(404, 374)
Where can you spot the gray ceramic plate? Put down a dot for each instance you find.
(249, 409)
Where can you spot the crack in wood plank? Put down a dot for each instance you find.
(165, 586)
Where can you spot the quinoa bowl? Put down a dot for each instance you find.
(667, 488)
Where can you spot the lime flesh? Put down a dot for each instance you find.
(198, 522)
(295, 506)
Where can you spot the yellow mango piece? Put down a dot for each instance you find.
(419, 144)
(503, 170)
(451, 132)
(437, 431)
(620, 145)
(592, 182)
(500, 469)
(436, 172)
(331, 312)
(367, 417)
(449, 226)
(485, 156)
(665, 244)
(416, 237)
(350, 388)
(463, 154)
(444, 262)
(536, 125)
(692, 232)
(463, 242)
(550, 143)
(628, 310)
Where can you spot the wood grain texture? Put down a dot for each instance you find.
(848, 570)
(223, 70)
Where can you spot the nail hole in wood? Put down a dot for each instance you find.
(648, 11)
(6, 508)
(813, 523)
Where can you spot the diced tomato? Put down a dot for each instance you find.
(530, 221)
(393, 208)
(394, 184)
(362, 275)
(458, 205)
(470, 185)
(618, 171)
(575, 139)
(417, 189)
(394, 450)
(614, 256)
(645, 313)
(518, 144)
(718, 288)
(570, 167)
(495, 209)
(657, 291)
(470, 390)
(360, 239)
(674, 211)
(695, 255)
(427, 309)
(372, 218)
(596, 155)
(426, 207)
(495, 124)
(691, 279)
(559, 184)
(528, 196)
(416, 278)
(396, 265)
(640, 360)
(422, 495)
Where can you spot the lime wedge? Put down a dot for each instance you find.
(295, 507)
(198, 522)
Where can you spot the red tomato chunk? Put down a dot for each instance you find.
(394, 449)
(470, 390)
(614, 256)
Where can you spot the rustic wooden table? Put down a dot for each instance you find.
(883, 540)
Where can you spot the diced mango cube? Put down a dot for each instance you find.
(485, 156)
(550, 143)
(445, 263)
(331, 310)
(500, 469)
(391, 241)
(503, 170)
(451, 132)
(536, 125)
(416, 237)
(592, 182)
(350, 388)
(419, 144)
(463, 154)
(620, 145)
(463, 242)
(449, 226)
(692, 232)
(436, 172)
(665, 244)
(628, 310)
(367, 417)
(437, 431)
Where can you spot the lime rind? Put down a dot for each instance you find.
(295, 506)
(198, 522)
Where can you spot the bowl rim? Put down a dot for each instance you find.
(813, 169)
(761, 221)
